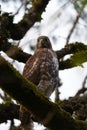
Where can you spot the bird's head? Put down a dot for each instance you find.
(43, 42)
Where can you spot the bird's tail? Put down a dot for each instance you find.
(25, 118)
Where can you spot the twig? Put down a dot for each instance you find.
(73, 27)
(83, 89)
(19, 8)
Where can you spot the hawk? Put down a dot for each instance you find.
(42, 70)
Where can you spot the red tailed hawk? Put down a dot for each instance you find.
(42, 70)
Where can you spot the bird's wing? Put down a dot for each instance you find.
(32, 67)
(49, 74)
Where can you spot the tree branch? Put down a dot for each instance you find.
(17, 54)
(17, 31)
(76, 106)
(74, 26)
(26, 93)
(8, 111)
(71, 49)
(83, 89)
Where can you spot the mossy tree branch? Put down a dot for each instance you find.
(77, 59)
(78, 51)
(71, 48)
(26, 93)
(17, 31)
(74, 105)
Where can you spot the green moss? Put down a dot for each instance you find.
(76, 47)
(78, 58)
(26, 93)
(82, 124)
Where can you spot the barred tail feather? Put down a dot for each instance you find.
(25, 118)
